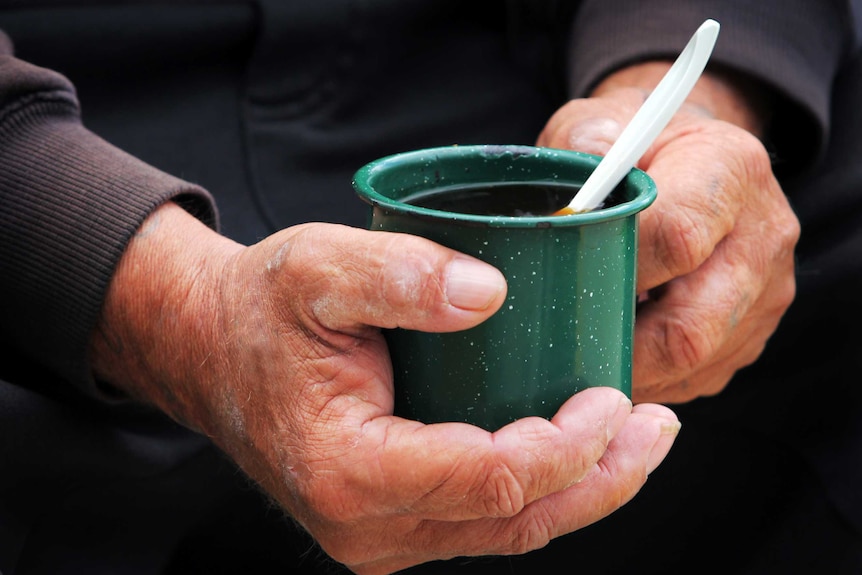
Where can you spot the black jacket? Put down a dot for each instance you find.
(264, 109)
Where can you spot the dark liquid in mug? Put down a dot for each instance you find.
(505, 199)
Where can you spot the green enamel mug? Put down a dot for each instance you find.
(568, 320)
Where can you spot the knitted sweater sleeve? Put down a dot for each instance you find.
(69, 203)
(796, 47)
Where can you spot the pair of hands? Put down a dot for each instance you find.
(274, 351)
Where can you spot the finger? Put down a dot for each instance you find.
(709, 380)
(742, 349)
(632, 456)
(638, 448)
(703, 170)
(693, 318)
(454, 471)
(689, 323)
(348, 278)
(591, 125)
(706, 174)
(705, 326)
(703, 383)
(531, 458)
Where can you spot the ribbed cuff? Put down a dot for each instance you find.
(70, 204)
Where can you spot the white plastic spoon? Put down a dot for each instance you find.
(648, 122)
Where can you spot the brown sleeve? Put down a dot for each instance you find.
(69, 203)
(794, 47)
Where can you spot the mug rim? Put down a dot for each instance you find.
(363, 184)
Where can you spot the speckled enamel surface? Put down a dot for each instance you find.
(568, 319)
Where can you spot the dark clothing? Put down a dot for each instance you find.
(270, 106)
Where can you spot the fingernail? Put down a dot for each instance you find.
(669, 431)
(473, 285)
(594, 135)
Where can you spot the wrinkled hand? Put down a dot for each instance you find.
(716, 261)
(271, 351)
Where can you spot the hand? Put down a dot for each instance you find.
(274, 352)
(716, 261)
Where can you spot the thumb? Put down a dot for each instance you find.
(347, 278)
(591, 125)
(593, 135)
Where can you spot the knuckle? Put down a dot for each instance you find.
(753, 153)
(682, 245)
(502, 495)
(535, 534)
(786, 293)
(790, 230)
(685, 344)
(530, 532)
(406, 280)
(298, 251)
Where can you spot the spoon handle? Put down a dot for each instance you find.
(649, 121)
